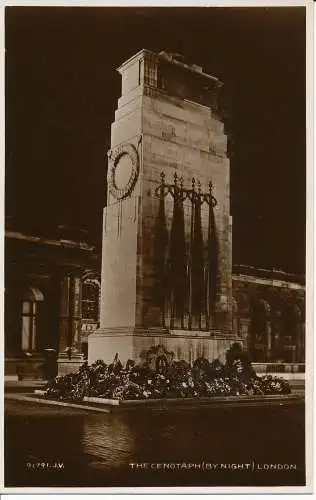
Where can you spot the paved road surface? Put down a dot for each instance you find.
(98, 449)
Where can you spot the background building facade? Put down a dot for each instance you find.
(52, 302)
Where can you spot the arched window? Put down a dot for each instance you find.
(291, 329)
(243, 304)
(292, 317)
(90, 303)
(90, 310)
(30, 309)
(260, 315)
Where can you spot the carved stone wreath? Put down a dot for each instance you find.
(114, 157)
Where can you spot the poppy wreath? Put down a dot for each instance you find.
(159, 376)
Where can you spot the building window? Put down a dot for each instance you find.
(90, 300)
(260, 332)
(291, 327)
(29, 336)
(30, 308)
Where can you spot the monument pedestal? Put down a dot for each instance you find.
(186, 345)
(166, 251)
(68, 365)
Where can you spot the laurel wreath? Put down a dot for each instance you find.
(114, 158)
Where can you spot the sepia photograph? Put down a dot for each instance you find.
(155, 325)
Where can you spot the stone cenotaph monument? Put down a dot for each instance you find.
(166, 253)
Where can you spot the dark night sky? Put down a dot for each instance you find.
(61, 93)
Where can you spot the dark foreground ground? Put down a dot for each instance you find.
(57, 446)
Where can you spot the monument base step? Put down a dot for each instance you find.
(105, 343)
(69, 365)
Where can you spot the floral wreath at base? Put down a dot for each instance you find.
(158, 375)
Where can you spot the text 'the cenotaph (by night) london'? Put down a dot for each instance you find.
(167, 245)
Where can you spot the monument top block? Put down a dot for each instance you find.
(170, 74)
(175, 59)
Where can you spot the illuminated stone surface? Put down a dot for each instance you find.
(167, 113)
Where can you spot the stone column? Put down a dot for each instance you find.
(277, 337)
(70, 357)
(76, 313)
(301, 343)
(64, 322)
(269, 352)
